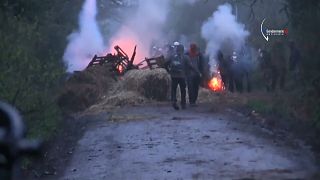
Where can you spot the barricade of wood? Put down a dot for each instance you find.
(121, 63)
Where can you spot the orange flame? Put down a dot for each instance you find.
(120, 68)
(216, 84)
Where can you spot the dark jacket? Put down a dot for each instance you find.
(194, 65)
(180, 70)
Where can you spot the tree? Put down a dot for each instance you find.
(32, 40)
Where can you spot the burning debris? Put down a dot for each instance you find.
(121, 63)
(116, 77)
(216, 84)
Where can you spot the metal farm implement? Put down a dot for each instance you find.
(121, 63)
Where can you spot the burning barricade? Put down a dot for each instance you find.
(121, 63)
(216, 84)
(114, 79)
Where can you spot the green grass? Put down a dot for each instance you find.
(278, 107)
(260, 106)
(43, 125)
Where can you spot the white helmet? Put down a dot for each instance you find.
(176, 43)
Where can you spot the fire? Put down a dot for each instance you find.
(120, 69)
(216, 84)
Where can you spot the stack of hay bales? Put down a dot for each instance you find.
(152, 84)
(84, 88)
(136, 87)
(97, 85)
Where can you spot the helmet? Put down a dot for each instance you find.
(176, 43)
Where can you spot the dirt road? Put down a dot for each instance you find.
(156, 142)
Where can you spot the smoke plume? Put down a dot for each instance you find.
(86, 42)
(142, 28)
(222, 31)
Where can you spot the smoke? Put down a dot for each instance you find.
(142, 28)
(146, 27)
(148, 24)
(186, 1)
(86, 42)
(222, 31)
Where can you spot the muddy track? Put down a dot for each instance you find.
(156, 142)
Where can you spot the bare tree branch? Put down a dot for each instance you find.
(252, 15)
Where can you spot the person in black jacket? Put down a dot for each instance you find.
(177, 70)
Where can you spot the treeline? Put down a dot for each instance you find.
(32, 41)
(304, 18)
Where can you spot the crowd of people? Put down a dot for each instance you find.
(186, 71)
(189, 68)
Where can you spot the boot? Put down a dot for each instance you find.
(175, 106)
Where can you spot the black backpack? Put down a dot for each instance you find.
(176, 64)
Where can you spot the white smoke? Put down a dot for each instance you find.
(222, 29)
(86, 42)
(186, 1)
(142, 28)
(145, 27)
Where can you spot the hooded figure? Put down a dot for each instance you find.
(194, 71)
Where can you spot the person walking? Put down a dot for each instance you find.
(194, 72)
(177, 71)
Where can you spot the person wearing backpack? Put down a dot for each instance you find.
(194, 73)
(177, 71)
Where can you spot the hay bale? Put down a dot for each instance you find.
(99, 76)
(152, 84)
(77, 97)
(85, 88)
(124, 98)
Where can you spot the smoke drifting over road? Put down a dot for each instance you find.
(86, 42)
(222, 31)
